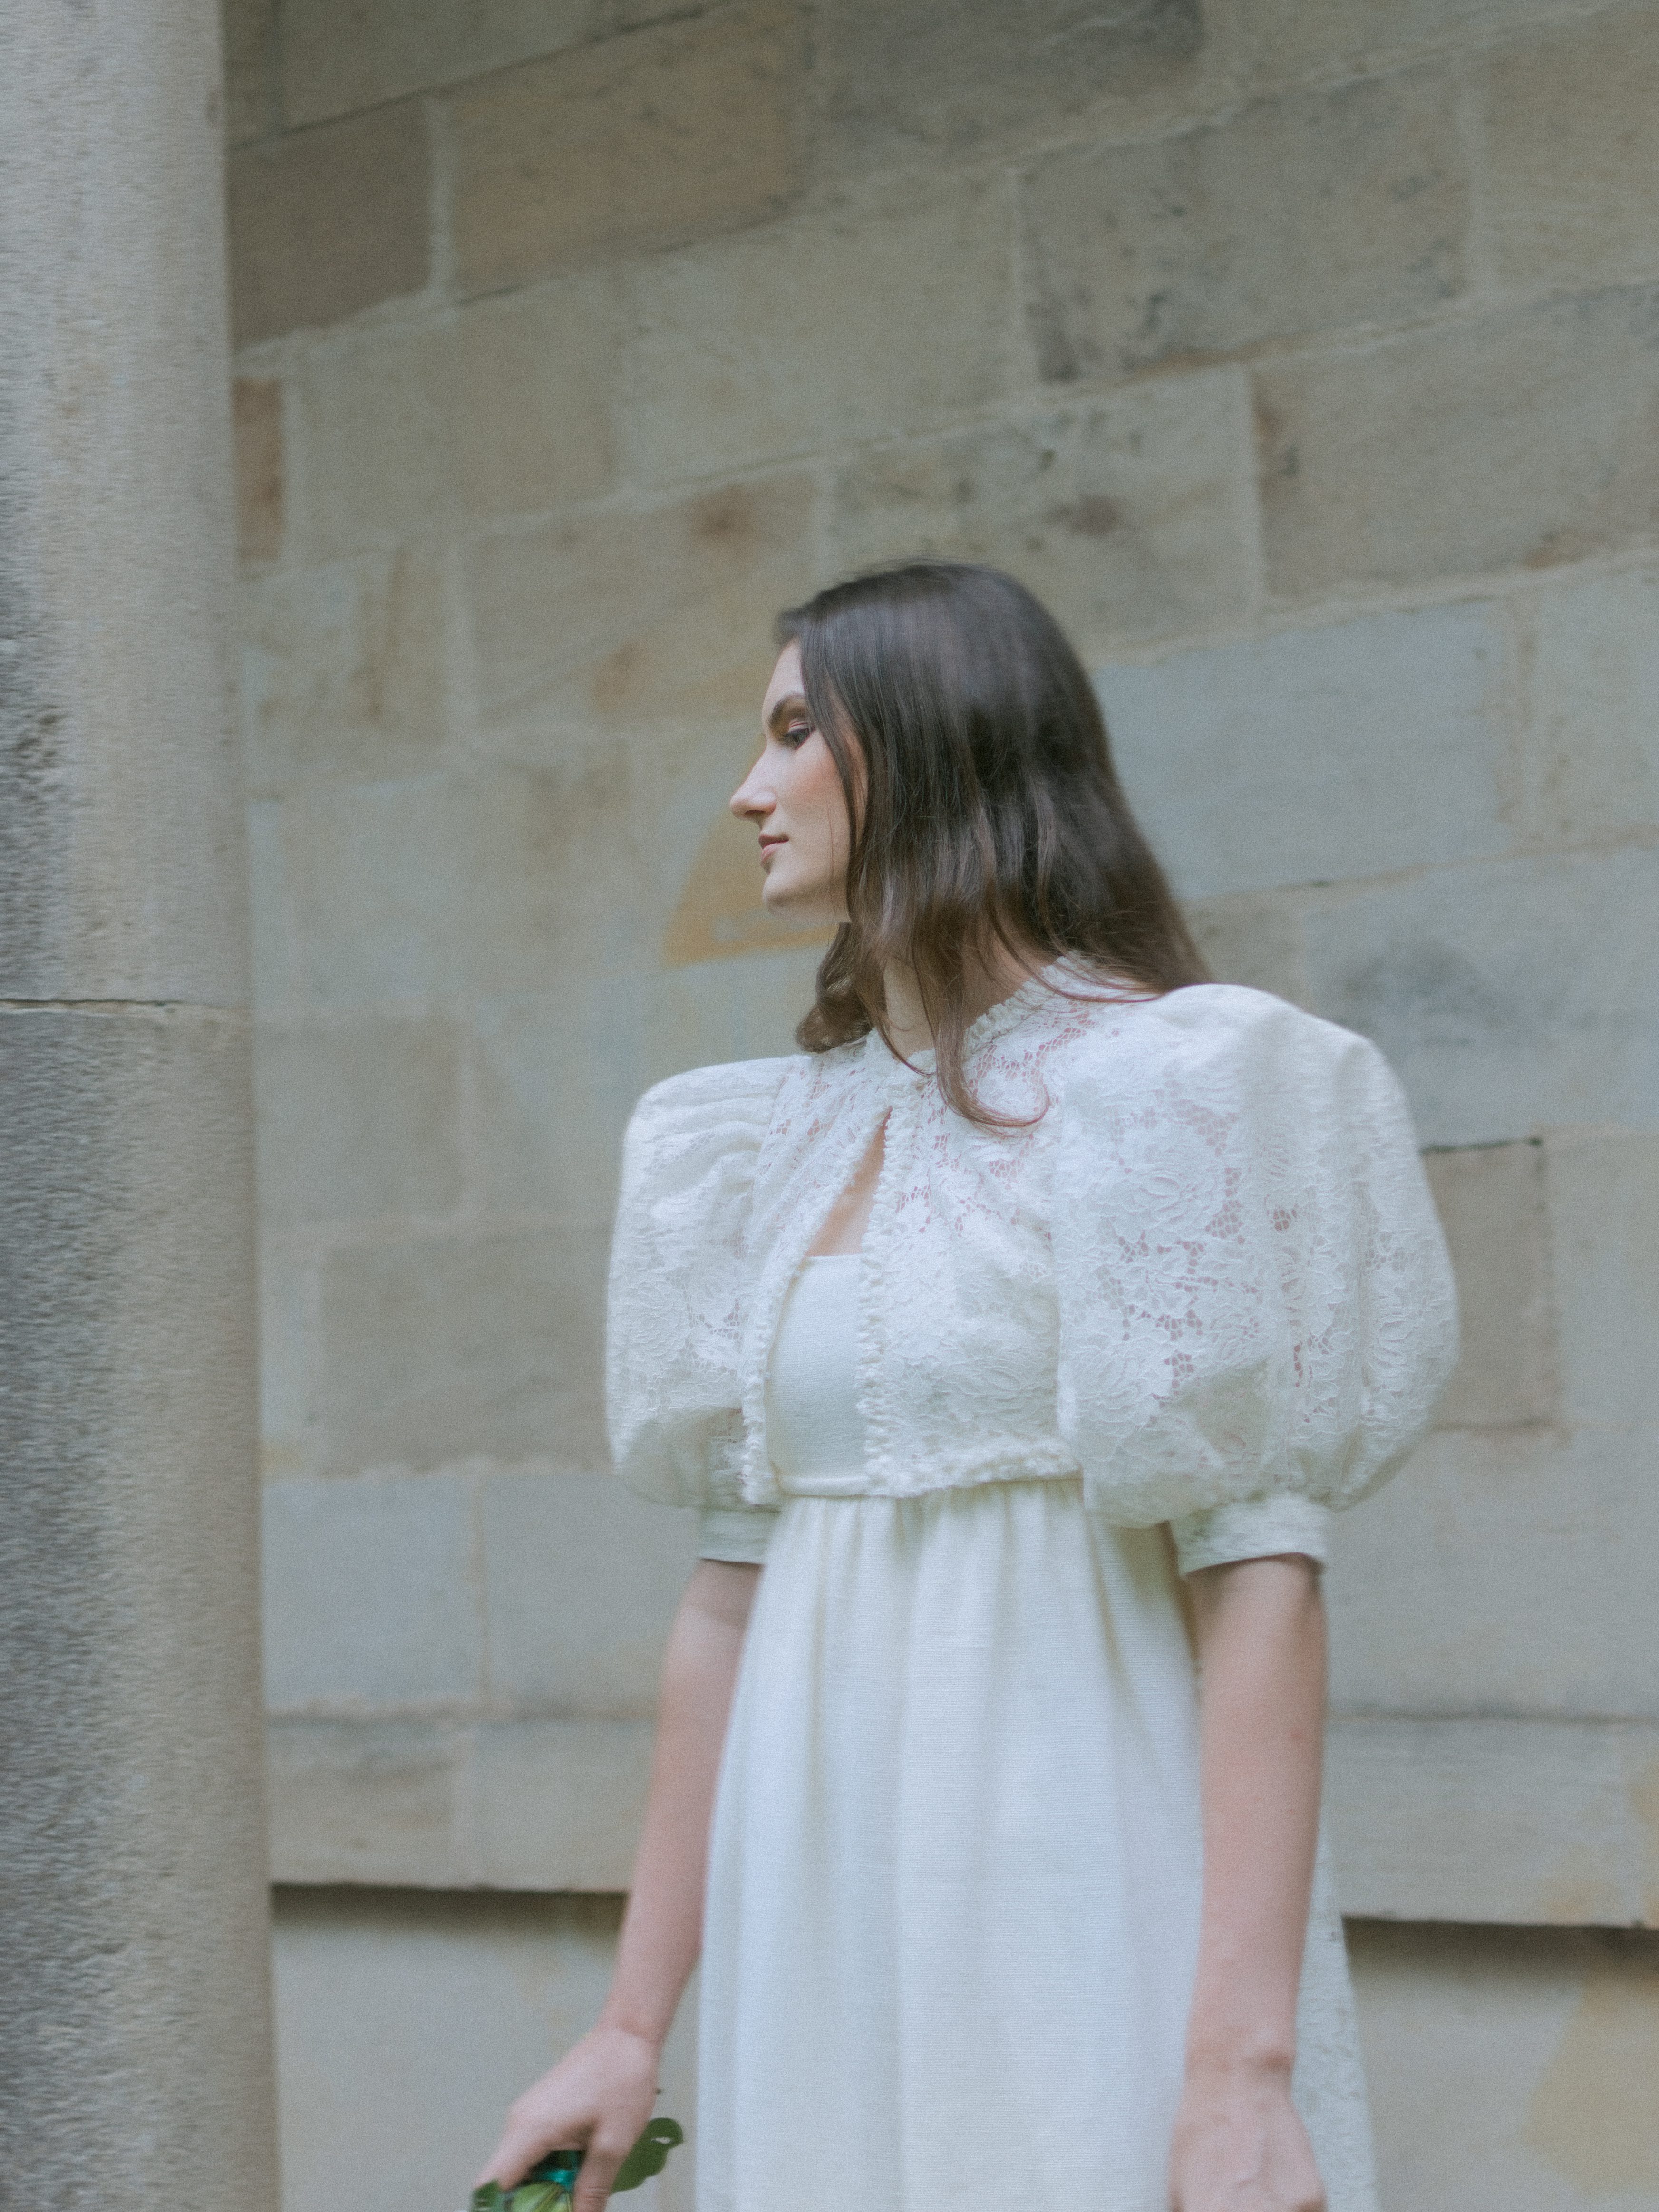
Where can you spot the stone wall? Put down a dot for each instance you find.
(1304, 355)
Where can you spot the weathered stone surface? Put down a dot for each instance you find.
(249, 30)
(1530, 1822)
(656, 613)
(323, 222)
(581, 1579)
(358, 1122)
(502, 409)
(1592, 756)
(1518, 440)
(495, 880)
(1317, 754)
(1492, 1205)
(257, 420)
(1604, 1227)
(1509, 998)
(683, 130)
(342, 670)
(557, 1805)
(286, 1382)
(556, 1074)
(366, 1801)
(1317, 209)
(953, 77)
(1254, 940)
(1131, 516)
(336, 60)
(1570, 126)
(1505, 1572)
(884, 310)
(438, 1349)
(369, 1598)
(1281, 39)
(1508, 2067)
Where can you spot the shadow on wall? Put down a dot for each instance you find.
(720, 911)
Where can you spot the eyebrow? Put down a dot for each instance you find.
(780, 713)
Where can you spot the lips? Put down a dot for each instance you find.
(770, 844)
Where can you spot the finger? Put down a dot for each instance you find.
(599, 2169)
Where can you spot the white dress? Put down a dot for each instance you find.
(954, 1886)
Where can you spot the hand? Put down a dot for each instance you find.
(597, 2100)
(1240, 2146)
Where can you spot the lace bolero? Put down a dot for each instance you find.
(1207, 1277)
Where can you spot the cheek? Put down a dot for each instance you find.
(820, 791)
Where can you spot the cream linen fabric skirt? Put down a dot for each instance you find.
(954, 1881)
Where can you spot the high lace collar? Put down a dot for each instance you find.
(1037, 990)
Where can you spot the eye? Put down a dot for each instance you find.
(797, 733)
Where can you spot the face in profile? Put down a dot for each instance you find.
(794, 797)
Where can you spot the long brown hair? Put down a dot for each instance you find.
(986, 812)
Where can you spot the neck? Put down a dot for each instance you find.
(989, 984)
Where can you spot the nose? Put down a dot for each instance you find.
(754, 798)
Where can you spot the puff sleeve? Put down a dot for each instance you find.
(1256, 1310)
(674, 1317)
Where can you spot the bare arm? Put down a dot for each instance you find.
(1239, 2145)
(599, 2095)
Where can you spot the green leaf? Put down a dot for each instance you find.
(488, 2198)
(541, 2196)
(649, 2155)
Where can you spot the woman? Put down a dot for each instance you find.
(1027, 1325)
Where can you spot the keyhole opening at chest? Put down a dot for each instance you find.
(849, 1216)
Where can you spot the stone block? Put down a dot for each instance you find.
(1604, 1227)
(327, 221)
(249, 30)
(1509, 997)
(370, 1600)
(257, 418)
(442, 1349)
(627, 616)
(342, 669)
(1287, 38)
(1570, 128)
(1318, 755)
(365, 1801)
(556, 1074)
(1527, 1822)
(883, 311)
(627, 146)
(581, 1581)
(950, 78)
(287, 1384)
(337, 60)
(557, 1805)
(273, 899)
(1254, 940)
(502, 409)
(1492, 1205)
(491, 881)
(1504, 1572)
(1131, 516)
(1592, 759)
(1305, 213)
(357, 1122)
(1516, 439)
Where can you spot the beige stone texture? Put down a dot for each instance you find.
(1131, 516)
(630, 613)
(1536, 1823)
(584, 1639)
(1254, 940)
(502, 409)
(1288, 39)
(336, 60)
(438, 1349)
(257, 421)
(948, 79)
(406, 2023)
(1527, 1559)
(1604, 1225)
(1593, 739)
(1304, 213)
(287, 1384)
(367, 1801)
(249, 30)
(343, 670)
(327, 221)
(1514, 440)
(636, 143)
(359, 1122)
(886, 310)
(1570, 121)
(1511, 996)
(557, 1805)
(1492, 1204)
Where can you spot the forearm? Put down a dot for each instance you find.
(1260, 1626)
(662, 1928)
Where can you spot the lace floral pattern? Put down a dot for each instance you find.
(1205, 1271)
